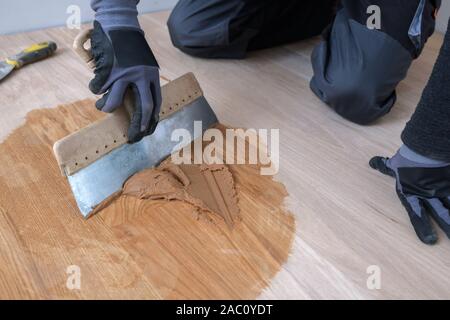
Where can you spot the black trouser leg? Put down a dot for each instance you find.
(230, 28)
(357, 69)
(289, 21)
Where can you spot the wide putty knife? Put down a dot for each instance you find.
(97, 160)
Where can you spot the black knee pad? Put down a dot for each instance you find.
(356, 70)
(355, 101)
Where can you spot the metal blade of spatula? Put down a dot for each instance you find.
(97, 160)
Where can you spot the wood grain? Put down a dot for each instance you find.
(348, 215)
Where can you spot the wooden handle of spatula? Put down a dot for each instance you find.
(79, 45)
(85, 146)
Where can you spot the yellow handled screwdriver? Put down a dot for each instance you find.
(31, 54)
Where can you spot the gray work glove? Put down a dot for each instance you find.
(423, 187)
(123, 60)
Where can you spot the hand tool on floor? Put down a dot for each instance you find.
(97, 160)
(31, 54)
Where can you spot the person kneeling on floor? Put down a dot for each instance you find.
(357, 68)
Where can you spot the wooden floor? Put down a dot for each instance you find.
(348, 216)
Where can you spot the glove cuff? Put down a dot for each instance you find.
(412, 155)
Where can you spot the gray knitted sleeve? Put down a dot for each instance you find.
(116, 13)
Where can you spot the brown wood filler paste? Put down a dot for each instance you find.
(141, 245)
(208, 188)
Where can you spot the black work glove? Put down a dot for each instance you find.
(123, 60)
(423, 187)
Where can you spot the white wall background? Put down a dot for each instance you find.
(25, 15)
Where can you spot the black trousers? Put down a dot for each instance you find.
(357, 66)
(230, 28)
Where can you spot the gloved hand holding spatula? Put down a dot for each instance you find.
(124, 60)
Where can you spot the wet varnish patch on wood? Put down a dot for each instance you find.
(134, 248)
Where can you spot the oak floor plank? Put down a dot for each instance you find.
(348, 216)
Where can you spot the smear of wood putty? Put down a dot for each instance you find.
(209, 188)
(129, 239)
